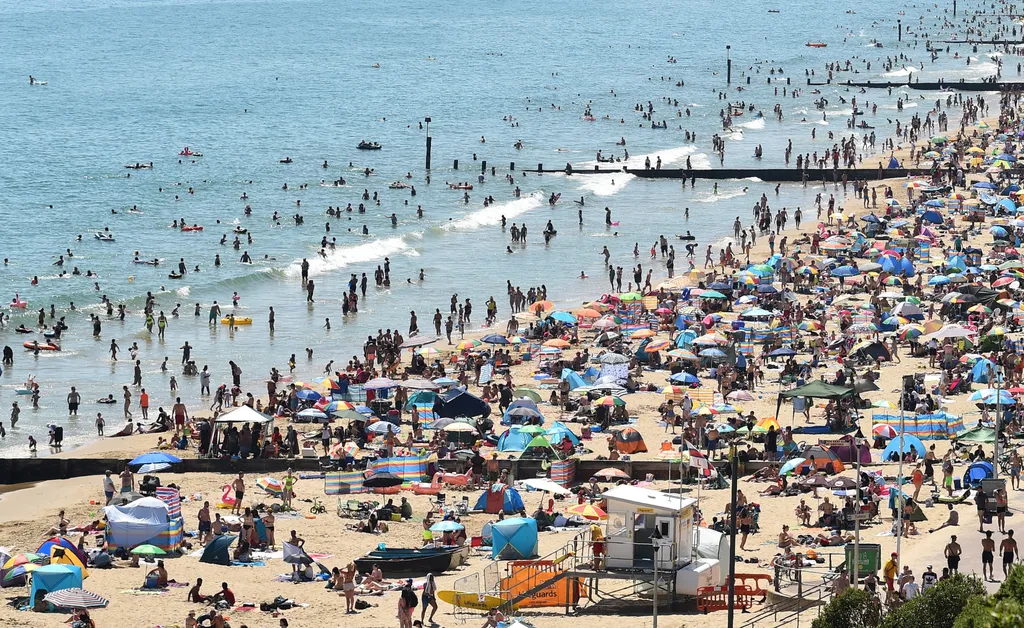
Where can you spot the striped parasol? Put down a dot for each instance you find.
(75, 598)
(271, 485)
(587, 511)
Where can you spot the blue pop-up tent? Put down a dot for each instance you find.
(500, 498)
(574, 379)
(902, 444)
(514, 539)
(51, 578)
(514, 440)
(981, 470)
(216, 553)
(558, 431)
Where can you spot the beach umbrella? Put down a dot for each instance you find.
(427, 352)
(791, 465)
(155, 467)
(587, 511)
(382, 480)
(605, 323)
(23, 559)
(495, 339)
(884, 431)
(911, 332)
(557, 343)
(276, 487)
(308, 395)
(630, 296)
(528, 393)
(75, 597)
(383, 427)
(592, 313)
(845, 271)
(980, 309)
(446, 526)
(349, 415)
(610, 400)
(984, 185)
(541, 306)
(740, 395)
(683, 354)
(882, 403)
(939, 280)
(563, 317)
(1003, 281)
(657, 346)
(643, 333)
(711, 294)
(842, 483)
(611, 473)
(460, 427)
(381, 383)
(683, 377)
(895, 320)
(468, 344)
(155, 457)
(337, 406)
(445, 381)
(712, 353)
(809, 326)
(312, 413)
(148, 550)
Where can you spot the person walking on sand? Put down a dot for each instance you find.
(239, 487)
(205, 526)
(127, 480)
(429, 598)
(952, 552)
(988, 550)
(1008, 548)
(348, 586)
(180, 414)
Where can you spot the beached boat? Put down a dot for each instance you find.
(458, 554)
(411, 565)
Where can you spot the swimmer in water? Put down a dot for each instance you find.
(583, 275)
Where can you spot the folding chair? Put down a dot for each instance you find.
(438, 504)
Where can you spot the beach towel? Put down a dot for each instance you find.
(253, 563)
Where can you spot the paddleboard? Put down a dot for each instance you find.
(474, 601)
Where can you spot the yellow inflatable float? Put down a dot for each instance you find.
(239, 320)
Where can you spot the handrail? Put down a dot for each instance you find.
(792, 606)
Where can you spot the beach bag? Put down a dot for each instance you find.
(362, 605)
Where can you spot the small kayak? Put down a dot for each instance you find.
(239, 320)
(104, 237)
(193, 228)
(816, 44)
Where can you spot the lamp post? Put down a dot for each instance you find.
(427, 122)
(728, 64)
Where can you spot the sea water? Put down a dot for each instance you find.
(249, 83)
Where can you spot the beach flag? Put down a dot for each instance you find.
(700, 462)
(563, 472)
(172, 498)
(343, 483)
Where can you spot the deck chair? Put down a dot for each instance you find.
(437, 504)
(462, 508)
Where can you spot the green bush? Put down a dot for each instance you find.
(991, 613)
(939, 606)
(1013, 587)
(852, 609)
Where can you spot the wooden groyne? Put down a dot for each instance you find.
(768, 175)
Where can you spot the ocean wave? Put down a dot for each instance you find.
(376, 249)
(491, 215)
(757, 123)
(669, 156)
(907, 71)
(604, 184)
(721, 196)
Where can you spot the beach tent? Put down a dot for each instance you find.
(539, 446)
(815, 390)
(46, 549)
(514, 539)
(457, 402)
(238, 416)
(500, 498)
(574, 379)
(560, 430)
(979, 434)
(628, 441)
(143, 521)
(216, 553)
(848, 449)
(902, 444)
(824, 460)
(62, 556)
(980, 371)
(514, 440)
(50, 578)
(875, 350)
(977, 472)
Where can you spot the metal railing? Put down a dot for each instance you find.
(793, 608)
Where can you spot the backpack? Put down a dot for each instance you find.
(409, 597)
